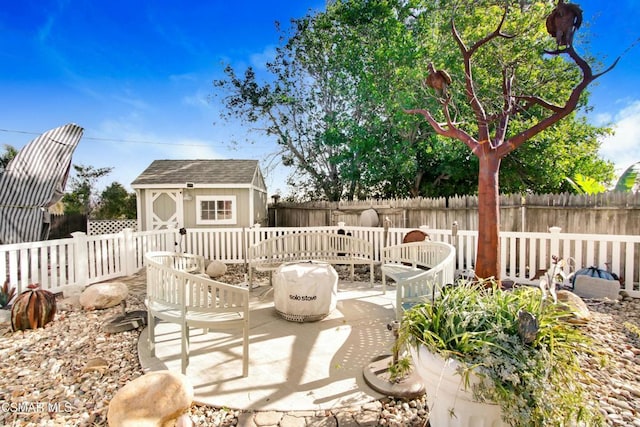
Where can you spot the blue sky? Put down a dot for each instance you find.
(143, 70)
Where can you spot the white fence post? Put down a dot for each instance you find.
(128, 254)
(81, 258)
(555, 241)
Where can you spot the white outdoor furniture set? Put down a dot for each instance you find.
(179, 292)
(420, 270)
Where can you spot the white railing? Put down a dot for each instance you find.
(83, 259)
(80, 260)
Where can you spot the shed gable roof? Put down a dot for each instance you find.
(198, 171)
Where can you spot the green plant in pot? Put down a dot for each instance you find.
(7, 292)
(510, 355)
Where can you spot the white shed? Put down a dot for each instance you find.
(201, 194)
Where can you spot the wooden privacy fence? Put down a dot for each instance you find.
(82, 259)
(606, 213)
(62, 225)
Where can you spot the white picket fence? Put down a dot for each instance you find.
(82, 259)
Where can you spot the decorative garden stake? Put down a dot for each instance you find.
(527, 326)
(493, 141)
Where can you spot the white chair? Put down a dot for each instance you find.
(193, 301)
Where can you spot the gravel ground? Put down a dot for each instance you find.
(66, 373)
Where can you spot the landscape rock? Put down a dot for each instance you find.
(595, 287)
(68, 304)
(576, 305)
(216, 269)
(71, 291)
(96, 364)
(103, 295)
(155, 399)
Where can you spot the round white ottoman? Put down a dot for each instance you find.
(305, 291)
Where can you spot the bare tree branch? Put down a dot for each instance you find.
(496, 33)
(450, 131)
(535, 100)
(507, 85)
(478, 109)
(558, 112)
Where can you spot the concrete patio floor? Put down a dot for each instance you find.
(293, 366)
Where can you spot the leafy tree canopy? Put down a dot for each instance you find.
(336, 90)
(9, 153)
(116, 203)
(80, 198)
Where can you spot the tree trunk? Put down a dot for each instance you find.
(488, 255)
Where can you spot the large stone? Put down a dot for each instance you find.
(68, 304)
(156, 399)
(216, 269)
(575, 305)
(369, 218)
(103, 295)
(70, 291)
(595, 287)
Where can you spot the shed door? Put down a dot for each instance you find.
(164, 209)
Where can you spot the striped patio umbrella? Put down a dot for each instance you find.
(33, 181)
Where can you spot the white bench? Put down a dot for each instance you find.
(269, 254)
(420, 270)
(179, 292)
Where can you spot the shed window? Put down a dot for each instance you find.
(216, 209)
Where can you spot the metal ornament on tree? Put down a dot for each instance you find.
(563, 22)
(439, 80)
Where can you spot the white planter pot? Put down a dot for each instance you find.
(450, 404)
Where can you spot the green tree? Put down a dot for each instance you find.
(80, 198)
(116, 203)
(9, 153)
(324, 113)
(630, 179)
(504, 43)
(340, 83)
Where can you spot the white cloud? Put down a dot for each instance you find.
(184, 77)
(199, 99)
(603, 119)
(125, 144)
(259, 60)
(191, 149)
(623, 147)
